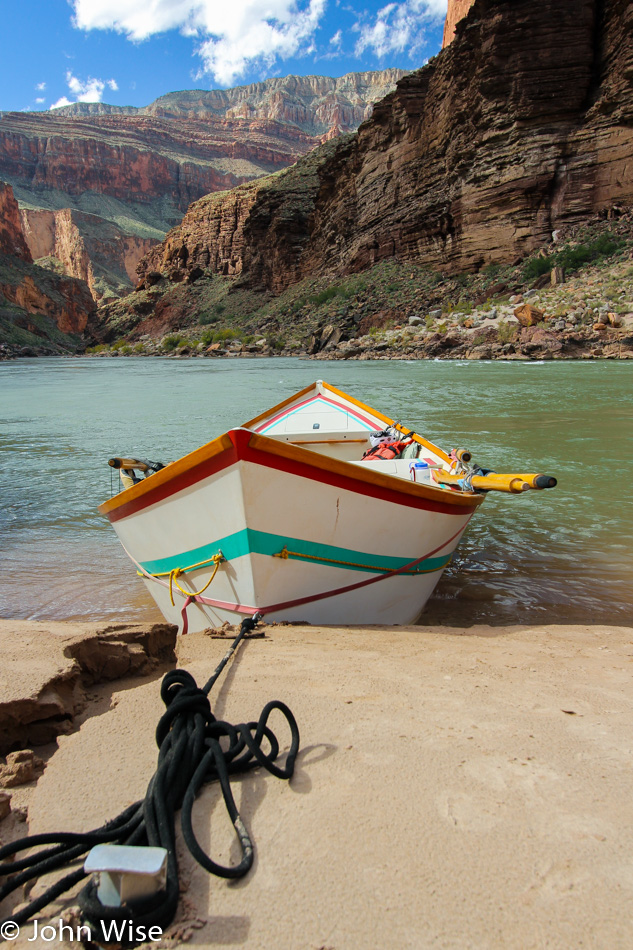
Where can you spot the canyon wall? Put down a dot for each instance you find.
(138, 170)
(28, 292)
(88, 247)
(523, 124)
(12, 243)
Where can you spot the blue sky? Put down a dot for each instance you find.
(129, 52)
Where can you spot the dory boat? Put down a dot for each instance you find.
(321, 510)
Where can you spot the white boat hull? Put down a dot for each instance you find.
(304, 538)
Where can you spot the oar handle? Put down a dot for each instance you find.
(497, 481)
(129, 463)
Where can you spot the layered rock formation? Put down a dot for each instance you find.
(524, 124)
(220, 232)
(12, 243)
(87, 246)
(140, 169)
(28, 292)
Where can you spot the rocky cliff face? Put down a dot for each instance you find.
(28, 292)
(87, 246)
(522, 125)
(12, 243)
(221, 232)
(140, 169)
(457, 10)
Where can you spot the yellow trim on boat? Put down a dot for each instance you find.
(390, 422)
(165, 475)
(280, 405)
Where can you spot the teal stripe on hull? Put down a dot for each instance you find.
(249, 541)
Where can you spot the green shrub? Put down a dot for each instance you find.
(223, 336)
(275, 343)
(428, 322)
(218, 336)
(506, 332)
(492, 270)
(172, 341)
(537, 266)
(571, 258)
(208, 318)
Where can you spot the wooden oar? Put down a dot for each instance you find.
(129, 463)
(515, 484)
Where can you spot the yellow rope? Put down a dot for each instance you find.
(190, 567)
(178, 571)
(285, 554)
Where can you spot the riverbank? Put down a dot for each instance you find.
(455, 787)
(572, 299)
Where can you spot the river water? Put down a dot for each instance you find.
(557, 556)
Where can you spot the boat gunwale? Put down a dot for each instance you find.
(263, 416)
(241, 443)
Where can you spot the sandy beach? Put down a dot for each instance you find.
(456, 788)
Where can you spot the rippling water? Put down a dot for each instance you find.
(555, 556)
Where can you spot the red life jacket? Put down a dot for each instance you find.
(386, 450)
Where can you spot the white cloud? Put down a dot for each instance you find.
(41, 86)
(39, 100)
(336, 40)
(88, 90)
(399, 27)
(233, 36)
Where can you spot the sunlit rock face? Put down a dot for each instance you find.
(12, 243)
(113, 180)
(31, 289)
(457, 10)
(523, 124)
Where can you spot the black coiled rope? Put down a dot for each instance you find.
(190, 755)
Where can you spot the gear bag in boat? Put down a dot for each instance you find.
(386, 450)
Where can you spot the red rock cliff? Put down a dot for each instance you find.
(145, 166)
(457, 10)
(88, 247)
(35, 291)
(12, 243)
(523, 124)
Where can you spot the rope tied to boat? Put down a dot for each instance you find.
(309, 599)
(190, 755)
(286, 555)
(177, 572)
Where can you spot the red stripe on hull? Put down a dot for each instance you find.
(241, 450)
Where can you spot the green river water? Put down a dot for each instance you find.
(557, 556)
